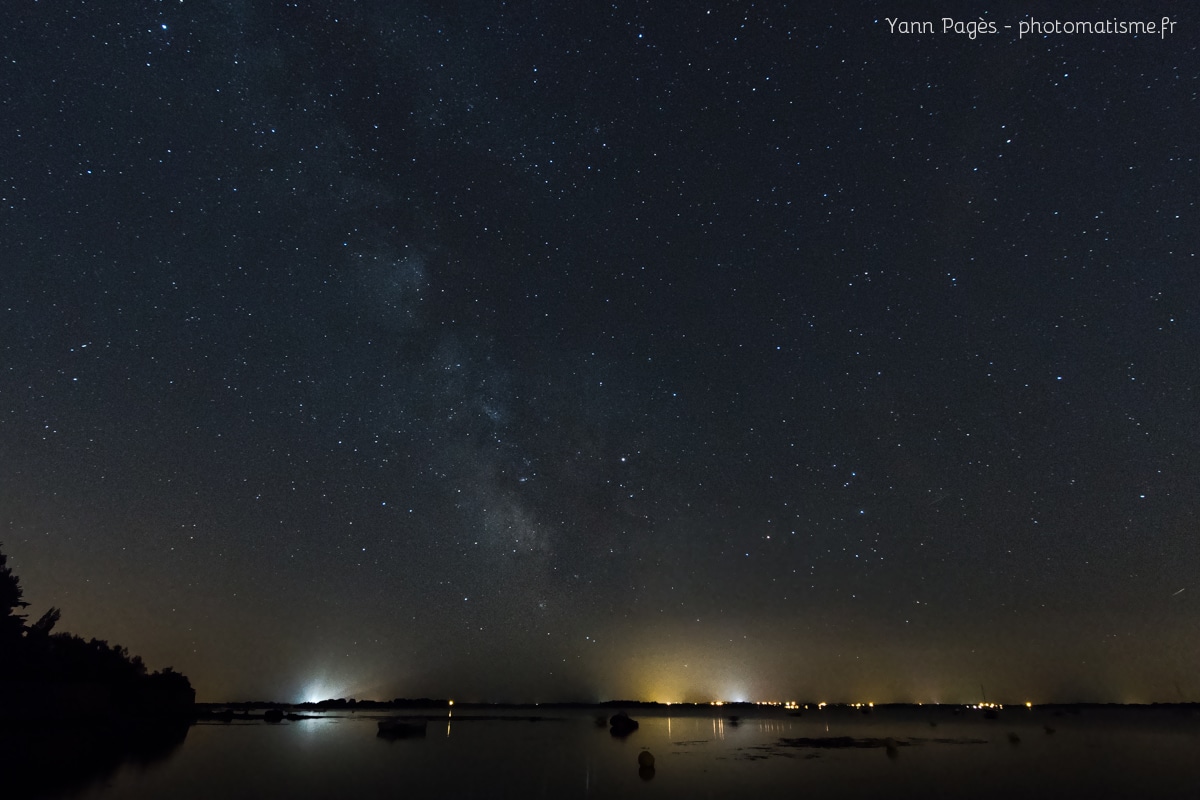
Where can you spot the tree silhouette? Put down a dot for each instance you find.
(41, 629)
(31, 653)
(12, 623)
(72, 711)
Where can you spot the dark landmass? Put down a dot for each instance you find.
(248, 709)
(46, 676)
(73, 711)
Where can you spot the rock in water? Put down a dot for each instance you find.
(646, 759)
(621, 724)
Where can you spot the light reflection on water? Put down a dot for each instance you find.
(1148, 753)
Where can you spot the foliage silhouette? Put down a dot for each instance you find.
(12, 623)
(72, 711)
(44, 625)
(50, 672)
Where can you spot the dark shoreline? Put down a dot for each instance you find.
(721, 708)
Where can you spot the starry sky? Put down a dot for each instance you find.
(540, 351)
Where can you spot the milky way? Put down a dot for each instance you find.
(541, 354)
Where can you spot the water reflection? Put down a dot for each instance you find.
(718, 726)
(61, 758)
(565, 754)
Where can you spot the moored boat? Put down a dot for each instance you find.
(401, 728)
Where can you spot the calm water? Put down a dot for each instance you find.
(1097, 753)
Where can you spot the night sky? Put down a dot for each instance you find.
(559, 351)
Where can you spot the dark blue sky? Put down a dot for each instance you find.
(531, 353)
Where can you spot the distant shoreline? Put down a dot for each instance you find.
(722, 708)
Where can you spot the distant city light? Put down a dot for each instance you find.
(315, 693)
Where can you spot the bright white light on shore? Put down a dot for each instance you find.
(319, 688)
(315, 693)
